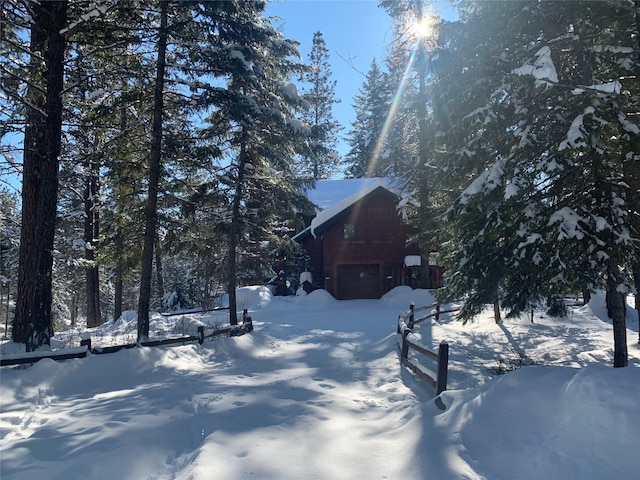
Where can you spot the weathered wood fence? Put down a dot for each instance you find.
(406, 323)
(86, 347)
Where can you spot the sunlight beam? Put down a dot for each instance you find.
(373, 162)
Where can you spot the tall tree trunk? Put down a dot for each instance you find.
(3, 275)
(235, 232)
(151, 210)
(423, 152)
(34, 151)
(6, 318)
(618, 310)
(231, 261)
(91, 231)
(74, 309)
(636, 281)
(33, 321)
(496, 308)
(119, 243)
(119, 273)
(632, 178)
(159, 271)
(617, 305)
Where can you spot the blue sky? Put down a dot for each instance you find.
(355, 31)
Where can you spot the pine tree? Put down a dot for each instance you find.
(408, 140)
(366, 137)
(254, 118)
(108, 100)
(155, 167)
(400, 149)
(321, 156)
(109, 110)
(33, 322)
(14, 61)
(533, 134)
(9, 234)
(80, 181)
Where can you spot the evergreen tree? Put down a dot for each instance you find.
(321, 156)
(533, 133)
(9, 234)
(108, 111)
(408, 140)
(33, 321)
(222, 57)
(254, 120)
(400, 150)
(14, 61)
(366, 137)
(123, 73)
(155, 167)
(79, 182)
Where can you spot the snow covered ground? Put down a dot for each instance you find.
(317, 392)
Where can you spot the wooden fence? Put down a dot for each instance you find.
(406, 322)
(86, 347)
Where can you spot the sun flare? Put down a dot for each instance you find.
(424, 27)
(421, 29)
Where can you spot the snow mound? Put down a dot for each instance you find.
(185, 324)
(252, 297)
(403, 296)
(553, 436)
(127, 317)
(320, 297)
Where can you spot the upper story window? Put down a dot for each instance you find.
(349, 231)
(379, 213)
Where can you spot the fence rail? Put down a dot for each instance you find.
(406, 322)
(86, 347)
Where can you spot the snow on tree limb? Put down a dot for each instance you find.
(568, 220)
(576, 135)
(627, 125)
(486, 182)
(96, 10)
(542, 69)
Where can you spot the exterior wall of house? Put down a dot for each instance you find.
(363, 251)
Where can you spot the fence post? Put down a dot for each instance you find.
(437, 312)
(412, 306)
(443, 363)
(246, 320)
(87, 342)
(404, 351)
(201, 334)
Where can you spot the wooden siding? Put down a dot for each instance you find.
(370, 263)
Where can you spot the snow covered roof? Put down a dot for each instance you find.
(327, 193)
(334, 197)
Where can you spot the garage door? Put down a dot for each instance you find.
(358, 281)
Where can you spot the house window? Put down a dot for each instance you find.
(349, 231)
(379, 213)
(368, 274)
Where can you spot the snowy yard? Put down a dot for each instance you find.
(317, 392)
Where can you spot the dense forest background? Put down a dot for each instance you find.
(165, 148)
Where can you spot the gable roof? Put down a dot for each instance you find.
(328, 193)
(334, 209)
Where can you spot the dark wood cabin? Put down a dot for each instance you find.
(359, 247)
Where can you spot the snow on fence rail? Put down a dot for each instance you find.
(85, 345)
(406, 322)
